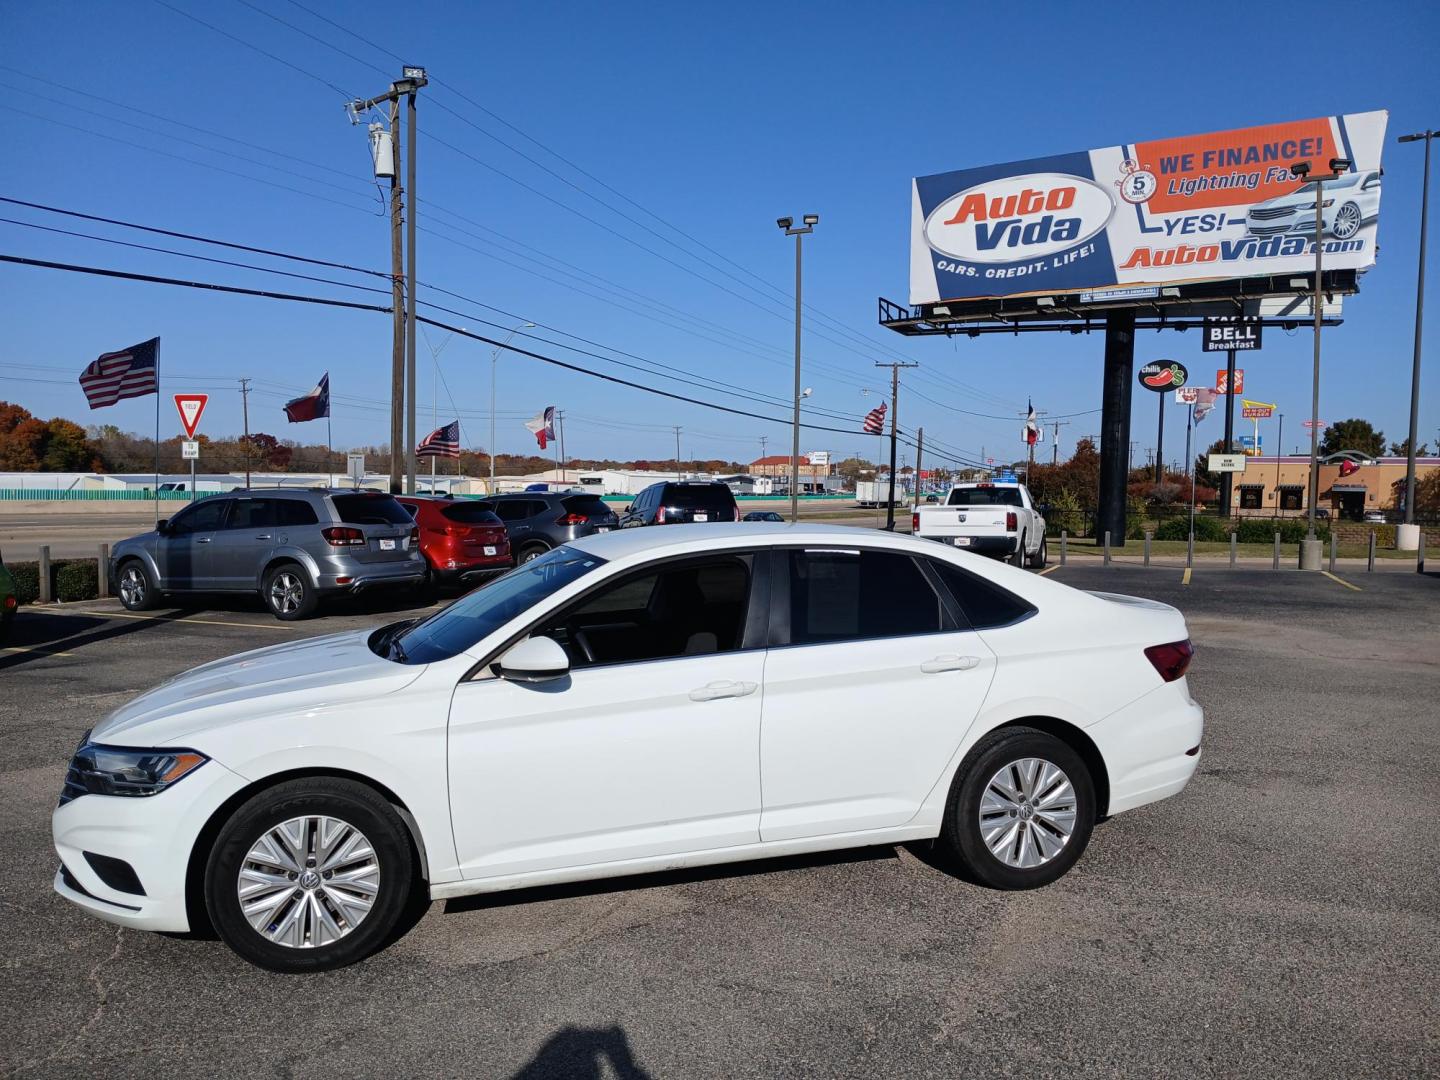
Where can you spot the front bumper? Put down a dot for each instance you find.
(154, 835)
(1151, 747)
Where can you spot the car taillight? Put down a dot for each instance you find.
(414, 534)
(915, 521)
(1171, 660)
(340, 536)
(571, 519)
(660, 516)
(1012, 522)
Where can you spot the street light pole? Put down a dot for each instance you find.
(494, 360)
(1310, 547)
(787, 225)
(1412, 540)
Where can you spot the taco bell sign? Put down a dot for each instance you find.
(1222, 205)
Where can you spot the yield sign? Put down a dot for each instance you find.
(191, 407)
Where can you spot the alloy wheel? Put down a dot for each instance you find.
(308, 882)
(287, 592)
(1027, 814)
(132, 586)
(1347, 222)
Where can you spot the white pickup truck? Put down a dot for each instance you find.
(989, 518)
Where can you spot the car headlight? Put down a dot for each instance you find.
(122, 770)
(1328, 202)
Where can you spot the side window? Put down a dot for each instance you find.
(510, 509)
(985, 604)
(679, 609)
(410, 508)
(205, 516)
(855, 595)
(252, 514)
(294, 512)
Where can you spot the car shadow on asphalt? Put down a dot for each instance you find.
(663, 878)
(574, 1053)
(46, 633)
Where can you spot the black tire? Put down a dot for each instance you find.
(1041, 556)
(351, 802)
(428, 589)
(132, 575)
(288, 592)
(1017, 557)
(961, 839)
(532, 551)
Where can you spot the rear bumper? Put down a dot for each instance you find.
(1151, 747)
(980, 545)
(337, 575)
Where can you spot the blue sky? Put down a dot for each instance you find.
(683, 118)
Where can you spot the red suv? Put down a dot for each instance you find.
(462, 541)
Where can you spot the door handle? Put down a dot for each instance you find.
(263, 536)
(715, 690)
(949, 662)
(203, 540)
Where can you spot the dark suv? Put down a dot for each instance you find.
(540, 520)
(290, 545)
(680, 503)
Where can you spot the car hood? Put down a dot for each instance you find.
(297, 676)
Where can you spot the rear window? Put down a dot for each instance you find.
(996, 496)
(470, 513)
(589, 505)
(699, 497)
(375, 509)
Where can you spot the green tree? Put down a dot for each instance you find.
(66, 449)
(1402, 448)
(1352, 434)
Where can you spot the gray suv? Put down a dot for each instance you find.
(537, 521)
(292, 546)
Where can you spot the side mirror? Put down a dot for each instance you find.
(162, 526)
(628, 508)
(534, 660)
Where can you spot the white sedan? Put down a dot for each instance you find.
(642, 700)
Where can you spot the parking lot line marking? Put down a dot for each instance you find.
(1050, 569)
(182, 621)
(1341, 581)
(1185, 579)
(35, 649)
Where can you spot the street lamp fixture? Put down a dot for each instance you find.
(787, 225)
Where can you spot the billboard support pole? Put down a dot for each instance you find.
(1119, 375)
(1227, 479)
(1160, 443)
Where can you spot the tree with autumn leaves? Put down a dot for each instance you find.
(29, 444)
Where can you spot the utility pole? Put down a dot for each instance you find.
(560, 432)
(678, 474)
(894, 429)
(245, 412)
(402, 358)
(1055, 444)
(919, 450)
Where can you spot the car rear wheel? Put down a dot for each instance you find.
(136, 587)
(1017, 557)
(310, 875)
(1042, 554)
(1020, 812)
(534, 551)
(1347, 222)
(288, 594)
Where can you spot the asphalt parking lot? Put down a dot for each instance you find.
(1280, 917)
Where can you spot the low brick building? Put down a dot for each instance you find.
(1272, 486)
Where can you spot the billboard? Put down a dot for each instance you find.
(1149, 214)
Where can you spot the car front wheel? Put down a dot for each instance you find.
(310, 875)
(1347, 222)
(1021, 810)
(135, 586)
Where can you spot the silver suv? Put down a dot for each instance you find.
(292, 546)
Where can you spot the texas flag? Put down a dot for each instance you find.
(313, 406)
(543, 425)
(1032, 425)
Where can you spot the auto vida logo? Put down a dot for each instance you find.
(1019, 217)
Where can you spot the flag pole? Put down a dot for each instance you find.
(329, 453)
(157, 430)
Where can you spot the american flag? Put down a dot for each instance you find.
(128, 373)
(442, 442)
(875, 420)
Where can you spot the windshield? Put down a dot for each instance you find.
(475, 616)
(375, 508)
(994, 496)
(1343, 181)
(470, 513)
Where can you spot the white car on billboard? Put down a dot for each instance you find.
(1347, 204)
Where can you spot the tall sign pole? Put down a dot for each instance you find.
(894, 431)
(1419, 322)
